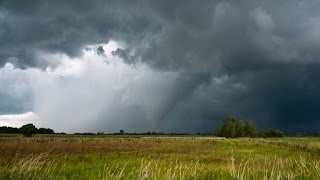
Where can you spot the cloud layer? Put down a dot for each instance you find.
(161, 65)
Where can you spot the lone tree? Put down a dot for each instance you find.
(121, 131)
(232, 128)
(28, 129)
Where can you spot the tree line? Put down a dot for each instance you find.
(230, 128)
(234, 128)
(27, 130)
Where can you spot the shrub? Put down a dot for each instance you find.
(270, 133)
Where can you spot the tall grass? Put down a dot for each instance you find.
(30, 167)
(274, 168)
(44, 166)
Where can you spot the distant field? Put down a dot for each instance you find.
(157, 157)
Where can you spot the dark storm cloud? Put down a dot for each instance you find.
(262, 56)
(66, 26)
(279, 98)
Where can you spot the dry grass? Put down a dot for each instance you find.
(29, 167)
(37, 145)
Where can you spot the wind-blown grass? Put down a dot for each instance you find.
(153, 158)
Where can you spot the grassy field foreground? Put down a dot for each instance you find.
(158, 158)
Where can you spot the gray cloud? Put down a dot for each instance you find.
(100, 50)
(257, 60)
(15, 91)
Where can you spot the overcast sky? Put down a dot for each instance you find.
(159, 65)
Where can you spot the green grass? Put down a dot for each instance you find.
(79, 157)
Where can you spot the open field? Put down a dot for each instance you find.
(139, 157)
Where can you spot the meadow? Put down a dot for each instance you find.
(158, 157)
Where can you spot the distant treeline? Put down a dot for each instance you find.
(30, 129)
(12, 130)
(231, 128)
(143, 133)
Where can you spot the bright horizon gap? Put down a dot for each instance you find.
(18, 120)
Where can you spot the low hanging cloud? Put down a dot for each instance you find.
(95, 92)
(161, 65)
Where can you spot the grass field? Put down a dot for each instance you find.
(139, 157)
